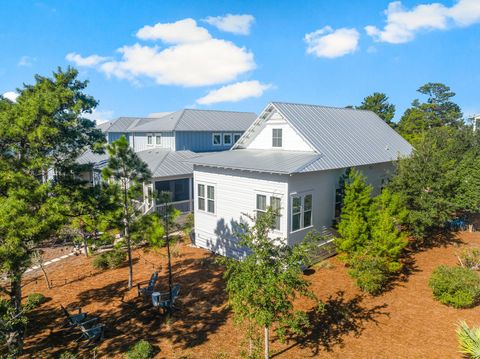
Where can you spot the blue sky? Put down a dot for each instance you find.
(192, 54)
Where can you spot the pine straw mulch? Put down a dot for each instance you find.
(405, 322)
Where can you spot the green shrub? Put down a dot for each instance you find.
(35, 299)
(468, 340)
(111, 259)
(470, 258)
(140, 350)
(67, 355)
(370, 273)
(455, 286)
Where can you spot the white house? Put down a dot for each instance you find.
(290, 158)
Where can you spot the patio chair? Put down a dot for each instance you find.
(72, 320)
(148, 290)
(163, 300)
(93, 335)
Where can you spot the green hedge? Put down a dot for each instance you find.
(370, 273)
(455, 286)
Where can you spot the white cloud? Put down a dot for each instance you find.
(88, 61)
(236, 24)
(11, 95)
(26, 61)
(330, 43)
(234, 92)
(180, 32)
(402, 25)
(99, 116)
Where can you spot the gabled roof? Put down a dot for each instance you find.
(340, 137)
(184, 120)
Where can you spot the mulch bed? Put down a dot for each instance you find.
(405, 322)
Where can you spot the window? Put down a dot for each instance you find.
(158, 139)
(211, 199)
(236, 137)
(276, 204)
(227, 138)
(217, 139)
(150, 139)
(301, 212)
(201, 197)
(277, 137)
(261, 204)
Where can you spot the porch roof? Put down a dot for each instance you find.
(167, 163)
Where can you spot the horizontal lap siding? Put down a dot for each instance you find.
(235, 196)
(199, 141)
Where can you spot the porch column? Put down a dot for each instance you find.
(190, 194)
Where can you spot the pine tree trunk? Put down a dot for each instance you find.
(127, 236)
(85, 245)
(14, 338)
(267, 343)
(45, 275)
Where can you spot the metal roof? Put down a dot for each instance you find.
(344, 137)
(184, 120)
(271, 161)
(88, 157)
(164, 162)
(340, 137)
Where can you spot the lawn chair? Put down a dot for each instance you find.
(72, 320)
(93, 335)
(148, 290)
(163, 300)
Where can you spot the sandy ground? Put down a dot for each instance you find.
(405, 322)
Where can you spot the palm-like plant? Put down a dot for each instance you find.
(469, 340)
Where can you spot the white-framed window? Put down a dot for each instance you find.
(150, 139)
(236, 137)
(211, 199)
(201, 197)
(275, 203)
(217, 139)
(301, 211)
(158, 139)
(227, 138)
(276, 137)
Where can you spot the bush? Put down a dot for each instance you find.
(140, 350)
(468, 340)
(111, 259)
(370, 273)
(455, 286)
(35, 299)
(470, 258)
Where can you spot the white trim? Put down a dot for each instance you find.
(158, 135)
(302, 196)
(150, 135)
(231, 138)
(206, 199)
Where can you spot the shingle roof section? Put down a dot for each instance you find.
(270, 161)
(344, 137)
(185, 120)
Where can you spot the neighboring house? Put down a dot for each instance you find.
(291, 158)
(166, 141)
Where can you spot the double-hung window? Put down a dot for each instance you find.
(206, 198)
(158, 139)
(227, 138)
(150, 139)
(201, 197)
(211, 199)
(236, 137)
(277, 137)
(217, 139)
(275, 203)
(301, 212)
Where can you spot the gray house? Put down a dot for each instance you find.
(166, 141)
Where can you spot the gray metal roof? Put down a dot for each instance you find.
(271, 161)
(344, 137)
(185, 120)
(339, 137)
(88, 157)
(164, 162)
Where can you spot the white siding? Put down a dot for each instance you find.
(322, 185)
(235, 195)
(262, 138)
(139, 141)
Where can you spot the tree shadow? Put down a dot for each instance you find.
(336, 318)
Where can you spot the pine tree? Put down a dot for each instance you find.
(353, 227)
